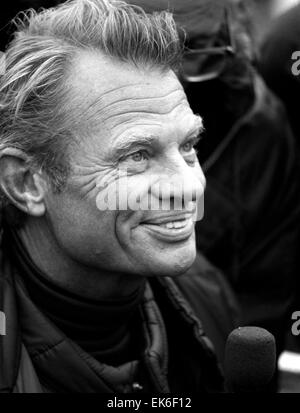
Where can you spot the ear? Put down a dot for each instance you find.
(24, 187)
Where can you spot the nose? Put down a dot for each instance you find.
(180, 185)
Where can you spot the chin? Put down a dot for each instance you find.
(173, 265)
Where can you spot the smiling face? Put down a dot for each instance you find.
(139, 121)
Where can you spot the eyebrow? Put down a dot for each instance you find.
(124, 145)
(130, 142)
(198, 129)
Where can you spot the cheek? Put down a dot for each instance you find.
(88, 235)
(76, 221)
(124, 194)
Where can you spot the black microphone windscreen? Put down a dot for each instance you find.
(250, 359)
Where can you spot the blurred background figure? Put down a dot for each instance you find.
(249, 158)
(279, 63)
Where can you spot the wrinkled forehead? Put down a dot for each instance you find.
(102, 90)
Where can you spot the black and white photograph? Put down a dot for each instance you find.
(150, 199)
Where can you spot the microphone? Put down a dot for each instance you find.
(250, 360)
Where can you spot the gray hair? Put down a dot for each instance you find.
(33, 98)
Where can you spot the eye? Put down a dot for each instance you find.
(139, 156)
(189, 152)
(188, 146)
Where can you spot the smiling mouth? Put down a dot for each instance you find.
(171, 229)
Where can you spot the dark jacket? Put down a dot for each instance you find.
(186, 323)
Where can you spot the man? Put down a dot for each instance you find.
(92, 115)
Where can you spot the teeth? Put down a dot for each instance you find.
(180, 224)
(176, 224)
(169, 225)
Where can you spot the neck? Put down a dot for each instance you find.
(62, 270)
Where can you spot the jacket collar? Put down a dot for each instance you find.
(56, 358)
